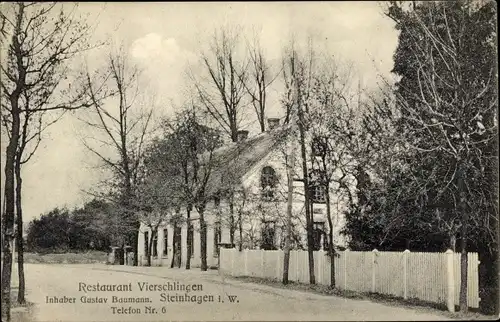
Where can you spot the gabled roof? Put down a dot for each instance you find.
(235, 160)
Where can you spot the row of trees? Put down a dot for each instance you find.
(61, 230)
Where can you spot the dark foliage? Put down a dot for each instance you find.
(62, 230)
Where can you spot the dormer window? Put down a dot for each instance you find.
(268, 182)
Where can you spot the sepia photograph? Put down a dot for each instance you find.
(249, 161)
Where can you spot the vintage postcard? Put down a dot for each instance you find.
(249, 161)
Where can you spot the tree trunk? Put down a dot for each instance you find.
(463, 241)
(331, 249)
(135, 243)
(150, 242)
(189, 240)
(179, 247)
(19, 235)
(289, 209)
(10, 155)
(231, 221)
(203, 238)
(8, 216)
(312, 279)
(240, 228)
(174, 247)
(453, 243)
(463, 276)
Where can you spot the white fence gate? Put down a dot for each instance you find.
(433, 277)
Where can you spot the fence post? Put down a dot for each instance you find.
(262, 263)
(219, 263)
(374, 268)
(405, 273)
(450, 270)
(345, 268)
(278, 262)
(245, 261)
(297, 257)
(232, 262)
(320, 265)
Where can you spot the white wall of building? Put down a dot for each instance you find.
(273, 211)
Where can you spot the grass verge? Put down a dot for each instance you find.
(412, 303)
(20, 312)
(90, 257)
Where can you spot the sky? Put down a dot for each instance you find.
(163, 39)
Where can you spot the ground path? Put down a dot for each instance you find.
(252, 302)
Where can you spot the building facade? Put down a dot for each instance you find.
(255, 214)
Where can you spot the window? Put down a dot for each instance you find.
(217, 238)
(155, 245)
(317, 189)
(146, 243)
(268, 182)
(319, 146)
(191, 239)
(268, 235)
(317, 193)
(318, 234)
(165, 242)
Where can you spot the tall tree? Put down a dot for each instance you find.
(446, 93)
(188, 157)
(290, 165)
(258, 79)
(42, 39)
(166, 164)
(122, 124)
(331, 134)
(297, 75)
(156, 200)
(221, 89)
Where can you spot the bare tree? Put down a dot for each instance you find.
(257, 80)
(167, 159)
(221, 90)
(36, 78)
(29, 141)
(330, 157)
(156, 198)
(122, 125)
(289, 210)
(297, 74)
(191, 161)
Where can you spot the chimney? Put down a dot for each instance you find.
(242, 135)
(273, 123)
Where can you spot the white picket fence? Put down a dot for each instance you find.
(432, 277)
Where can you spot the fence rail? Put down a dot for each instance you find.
(433, 277)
